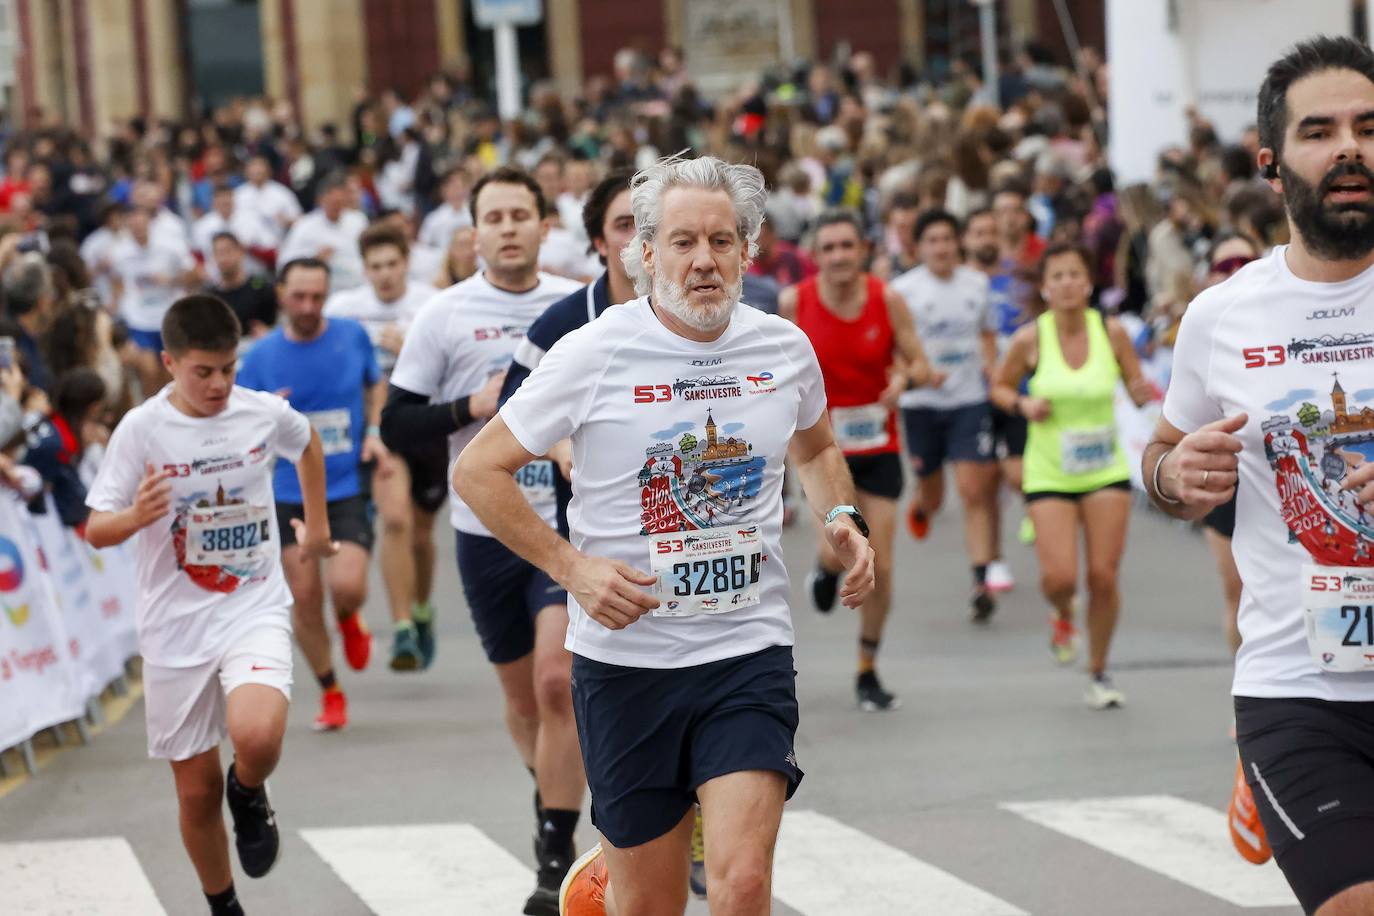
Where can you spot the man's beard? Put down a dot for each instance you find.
(1335, 232)
(704, 318)
(305, 326)
(985, 257)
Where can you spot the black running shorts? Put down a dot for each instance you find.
(350, 519)
(1310, 765)
(877, 475)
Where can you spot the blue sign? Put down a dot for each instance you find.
(491, 13)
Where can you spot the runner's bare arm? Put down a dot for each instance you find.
(987, 341)
(1189, 475)
(313, 534)
(611, 592)
(1137, 385)
(787, 304)
(826, 481)
(907, 340)
(151, 502)
(1005, 390)
(373, 399)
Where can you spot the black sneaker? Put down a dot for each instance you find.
(255, 826)
(984, 605)
(823, 585)
(872, 696)
(553, 868)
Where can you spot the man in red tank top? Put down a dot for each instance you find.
(868, 352)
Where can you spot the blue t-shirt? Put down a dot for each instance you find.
(325, 378)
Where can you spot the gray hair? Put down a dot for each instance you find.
(27, 281)
(743, 183)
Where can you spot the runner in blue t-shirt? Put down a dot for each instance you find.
(327, 370)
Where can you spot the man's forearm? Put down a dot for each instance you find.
(310, 472)
(106, 529)
(826, 481)
(495, 498)
(409, 419)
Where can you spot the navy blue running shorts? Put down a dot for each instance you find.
(504, 594)
(934, 436)
(651, 736)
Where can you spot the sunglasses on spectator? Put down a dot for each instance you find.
(1228, 266)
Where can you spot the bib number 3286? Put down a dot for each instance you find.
(711, 571)
(1339, 606)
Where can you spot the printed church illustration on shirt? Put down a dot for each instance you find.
(690, 482)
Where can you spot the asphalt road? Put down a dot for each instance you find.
(993, 791)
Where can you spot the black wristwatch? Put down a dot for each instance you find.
(853, 513)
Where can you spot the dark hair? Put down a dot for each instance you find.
(76, 391)
(200, 322)
(933, 217)
(599, 201)
(380, 234)
(836, 216)
(1055, 249)
(330, 182)
(225, 234)
(1325, 52)
(902, 200)
(71, 339)
(508, 175)
(974, 214)
(302, 264)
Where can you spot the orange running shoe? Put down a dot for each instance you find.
(333, 711)
(584, 889)
(917, 522)
(1063, 640)
(357, 640)
(1247, 833)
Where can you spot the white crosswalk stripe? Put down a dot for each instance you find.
(1179, 839)
(823, 866)
(99, 877)
(424, 870)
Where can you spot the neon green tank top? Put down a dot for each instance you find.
(1076, 449)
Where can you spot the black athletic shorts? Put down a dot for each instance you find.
(504, 594)
(1075, 497)
(1310, 766)
(877, 475)
(1009, 433)
(350, 519)
(651, 736)
(428, 475)
(935, 435)
(1222, 519)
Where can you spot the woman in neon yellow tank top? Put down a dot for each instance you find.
(1075, 473)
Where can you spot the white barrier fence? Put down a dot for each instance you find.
(66, 622)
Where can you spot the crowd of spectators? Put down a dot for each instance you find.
(99, 235)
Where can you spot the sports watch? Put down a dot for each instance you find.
(853, 513)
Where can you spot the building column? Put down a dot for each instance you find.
(166, 61)
(112, 56)
(564, 30)
(450, 28)
(330, 58)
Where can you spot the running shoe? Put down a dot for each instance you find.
(1103, 694)
(999, 577)
(553, 868)
(357, 640)
(917, 522)
(333, 711)
(255, 826)
(983, 604)
(1063, 640)
(1026, 533)
(405, 648)
(423, 615)
(696, 878)
(871, 695)
(823, 585)
(583, 892)
(1247, 833)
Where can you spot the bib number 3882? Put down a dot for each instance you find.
(227, 535)
(1339, 606)
(711, 571)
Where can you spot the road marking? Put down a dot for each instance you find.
(424, 869)
(824, 867)
(99, 877)
(1180, 839)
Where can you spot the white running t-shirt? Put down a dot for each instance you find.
(1298, 358)
(463, 336)
(678, 453)
(315, 231)
(951, 317)
(145, 272)
(362, 305)
(211, 568)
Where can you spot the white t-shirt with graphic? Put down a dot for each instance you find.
(362, 305)
(951, 317)
(678, 453)
(1298, 358)
(211, 568)
(144, 271)
(463, 336)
